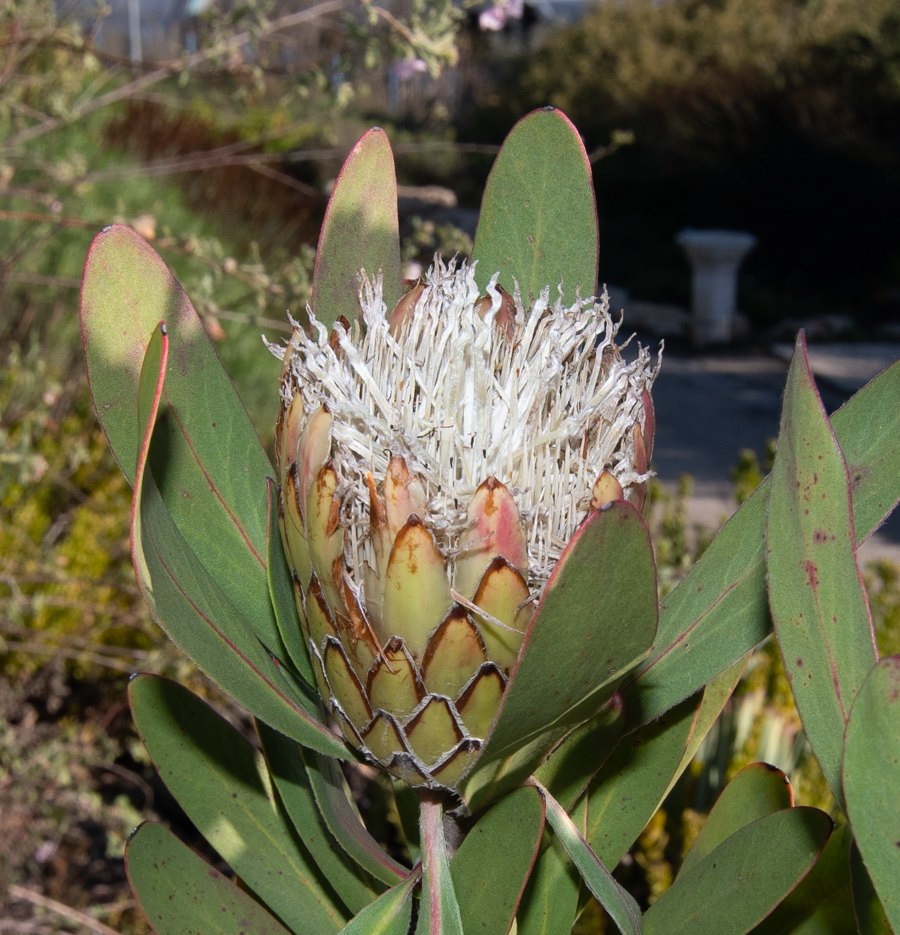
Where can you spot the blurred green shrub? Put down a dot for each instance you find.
(748, 473)
(624, 52)
(66, 583)
(677, 546)
(781, 117)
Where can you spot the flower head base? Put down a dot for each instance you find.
(434, 468)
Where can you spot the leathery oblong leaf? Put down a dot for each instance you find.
(867, 909)
(390, 914)
(741, 881)
(179, 892)
(719, 611)
(620, 905)
(540, 184)
(341, 816)
(757, 790)
(550, 902)
(715, 697)
(492, 865)
(632, 783)
(596, 619)
(221, 782)
(819, 606)
(360, 231)
(352, 883)
(570, 767)
(212, 468)
(821, 904)
(872, 780)
(189, 605)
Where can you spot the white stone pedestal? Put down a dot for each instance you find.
(715, 256)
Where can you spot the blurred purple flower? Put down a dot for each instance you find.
(407, 67)
(494, 18)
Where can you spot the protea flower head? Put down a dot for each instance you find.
(435, 461)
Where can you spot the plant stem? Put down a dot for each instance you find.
(438, 909)
(431, 833)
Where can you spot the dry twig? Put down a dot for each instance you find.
(36, 899)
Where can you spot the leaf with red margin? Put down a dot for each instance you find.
(757, 790)
(220, 780)
(596, 619)
(618, 902)
(340, 814)
(719, 611)
(281, 591)
(715, 697)
(821, 904)
(872, 786)
(494, 861)
(389, 914)
(360, 231)
(641, 771)
(816, 595)
(738, 884)
(868, 912)
(550, 902)
(350, 881)
(179, 892)
(208, 463)
(568, 770)
(538, 221)
(189, 605)
(631, 785)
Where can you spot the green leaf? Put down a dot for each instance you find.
(360, 231)
(757, 790)
(707, 626)
(538, 221)
(736, 886)
(180, 893)
(870, 915)
(343, 820)
(351, 883)
(816, 595)
(572, 765)
(221, 782)
(550, 901)
(281, 591)
(390, 914)
(630, 787)
(596, 619)
(208, 463)
(715, 697)
(872, 780)
(492, 865)
(438, 908)
(821, 904)
(719, 611)
(620, 905)
(189, 605)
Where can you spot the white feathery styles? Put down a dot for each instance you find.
(544, 406)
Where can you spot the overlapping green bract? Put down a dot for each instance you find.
(209, 560)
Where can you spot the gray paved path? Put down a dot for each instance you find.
(710, 406)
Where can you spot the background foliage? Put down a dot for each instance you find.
(752, 112)
(780, 117)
